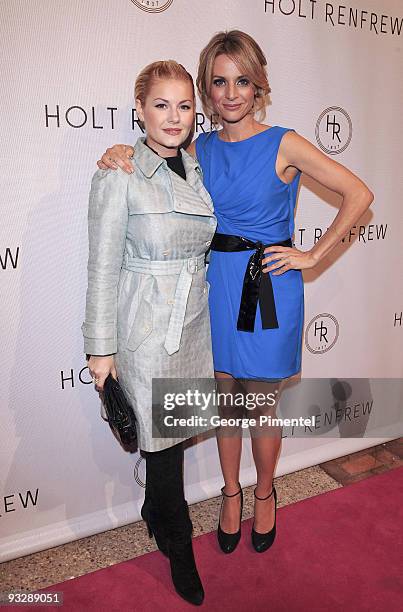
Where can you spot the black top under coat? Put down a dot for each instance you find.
(175, 163)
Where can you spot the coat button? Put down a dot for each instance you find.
(165, 253)
(208, 242)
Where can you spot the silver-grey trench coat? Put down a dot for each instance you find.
(147, 295)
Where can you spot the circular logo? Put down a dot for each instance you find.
(153, 6)
(139, 467)
(321, 333)
(334, 130)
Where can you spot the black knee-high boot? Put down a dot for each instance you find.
(166, 512)
(149, 508)
(164, 487)
(154, 526)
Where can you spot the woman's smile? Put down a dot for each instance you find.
(173, 131)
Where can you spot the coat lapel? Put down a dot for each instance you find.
(194, 179)
(190, 196)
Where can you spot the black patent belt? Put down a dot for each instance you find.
(257, 286)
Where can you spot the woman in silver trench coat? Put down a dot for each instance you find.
(147, 309)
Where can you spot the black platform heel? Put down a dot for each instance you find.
(154, 528)
(229, 541)
(262, 541)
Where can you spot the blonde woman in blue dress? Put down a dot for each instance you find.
(256, 299)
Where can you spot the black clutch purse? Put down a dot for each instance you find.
(120, 414)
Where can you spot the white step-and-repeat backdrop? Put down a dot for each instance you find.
(68, 70)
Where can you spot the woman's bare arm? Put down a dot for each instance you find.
(298, 152)
(119, 156)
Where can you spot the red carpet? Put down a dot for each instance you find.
(342, 550)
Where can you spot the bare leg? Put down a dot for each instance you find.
(229, 441)
(266, 447)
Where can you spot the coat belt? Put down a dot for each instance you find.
(185, 268)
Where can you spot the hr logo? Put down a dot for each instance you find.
(333, 130)
(333, 127)
(153, 6)
(140, 464)
(321, 333)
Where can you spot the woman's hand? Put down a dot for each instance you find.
(99, 368)
(118, 155)
(289, 258)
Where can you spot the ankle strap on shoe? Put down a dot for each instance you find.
(264, 498)
(233, 494)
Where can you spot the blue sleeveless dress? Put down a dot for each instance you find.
(250, 200)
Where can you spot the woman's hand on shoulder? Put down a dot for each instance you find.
(100, 367)
(117, 156)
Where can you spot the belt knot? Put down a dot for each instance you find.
(257, 286)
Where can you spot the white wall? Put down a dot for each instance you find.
(63, 475)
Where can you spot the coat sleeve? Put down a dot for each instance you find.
(107, 226)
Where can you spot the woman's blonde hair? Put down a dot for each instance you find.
(164, 69)
(246, 54)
